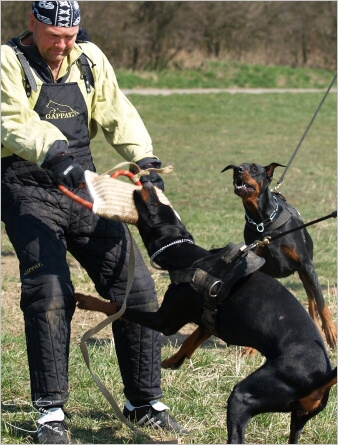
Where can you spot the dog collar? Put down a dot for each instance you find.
(154, 255)
(261, 226)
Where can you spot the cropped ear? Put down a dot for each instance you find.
(271, 168)
(228, 167)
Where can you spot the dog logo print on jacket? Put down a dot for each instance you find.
(59, 111)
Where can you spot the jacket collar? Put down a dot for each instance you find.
(39, 65)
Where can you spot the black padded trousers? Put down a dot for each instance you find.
(42, 225)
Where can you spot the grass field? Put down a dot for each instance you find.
(198, 135)
(200, 73)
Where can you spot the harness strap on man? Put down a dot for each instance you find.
(30, 82)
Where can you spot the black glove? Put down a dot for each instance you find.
(62, 167)
(153, 177)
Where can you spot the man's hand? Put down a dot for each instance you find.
(153, 177)
(68, 173)
(62, 166)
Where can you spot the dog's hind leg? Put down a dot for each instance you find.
(298, 420)
(297, 424)
(187, 348)
(314, 293)
(263, 391)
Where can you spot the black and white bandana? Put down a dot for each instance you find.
(62, 14)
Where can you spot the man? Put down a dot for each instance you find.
(56, 90)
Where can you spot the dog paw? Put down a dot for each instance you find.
(248, 352)
(87, 302)
(90, 303)
(330, 331)
(83, 301)
(173, 362)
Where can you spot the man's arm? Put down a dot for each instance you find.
(22, 131)
(121, 123)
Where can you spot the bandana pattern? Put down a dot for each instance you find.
(60, 13)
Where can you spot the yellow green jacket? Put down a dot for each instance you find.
(24, 134)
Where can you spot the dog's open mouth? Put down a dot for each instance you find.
(243, 188)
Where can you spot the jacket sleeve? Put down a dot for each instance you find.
(22, 131)
(121, 123)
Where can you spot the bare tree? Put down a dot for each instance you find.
(154, 34)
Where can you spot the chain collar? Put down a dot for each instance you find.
(154, 255)
(261, 226)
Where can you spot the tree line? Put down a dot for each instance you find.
(155, 35)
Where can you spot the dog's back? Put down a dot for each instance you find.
(263, 314)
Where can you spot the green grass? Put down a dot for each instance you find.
(221, 74)
(199, 135)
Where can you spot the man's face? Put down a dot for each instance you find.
(54, 43)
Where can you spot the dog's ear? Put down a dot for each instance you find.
(228, 167)
(271, 168)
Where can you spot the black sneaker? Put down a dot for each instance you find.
(153, 414)
(51, 426)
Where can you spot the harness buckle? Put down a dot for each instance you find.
(217, 285)
(260, 227)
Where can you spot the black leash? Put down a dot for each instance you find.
(269, 239)
(279, 183)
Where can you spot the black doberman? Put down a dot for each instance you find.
(267, 213)
(259, 312)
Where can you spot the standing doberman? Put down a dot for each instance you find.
(267, 213)
(255, 311)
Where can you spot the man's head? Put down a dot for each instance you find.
(54, 26)
(60, 14)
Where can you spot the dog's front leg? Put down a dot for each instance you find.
(152, 320)
(94, 304)
(169, 318)
(311, 284)
(158, 321)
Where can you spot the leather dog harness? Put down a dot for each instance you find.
(214, 276)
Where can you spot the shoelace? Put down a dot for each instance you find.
(147, 420)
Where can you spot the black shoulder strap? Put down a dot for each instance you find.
(30, 80)
(86, 71)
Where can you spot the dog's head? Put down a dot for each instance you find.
(157, 223)
(251, 180)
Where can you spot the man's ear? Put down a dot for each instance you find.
(31, 22)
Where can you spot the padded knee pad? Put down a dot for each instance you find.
(138, 351)
(48, 308)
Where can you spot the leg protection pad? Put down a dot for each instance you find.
(48, 309)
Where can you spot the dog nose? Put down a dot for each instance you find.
(239, 169)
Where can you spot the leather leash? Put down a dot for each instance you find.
(269, 239)
(109, 320)
(280, 181)
(85, 354)
(102, 325)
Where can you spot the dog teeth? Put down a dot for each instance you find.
(240, 186)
